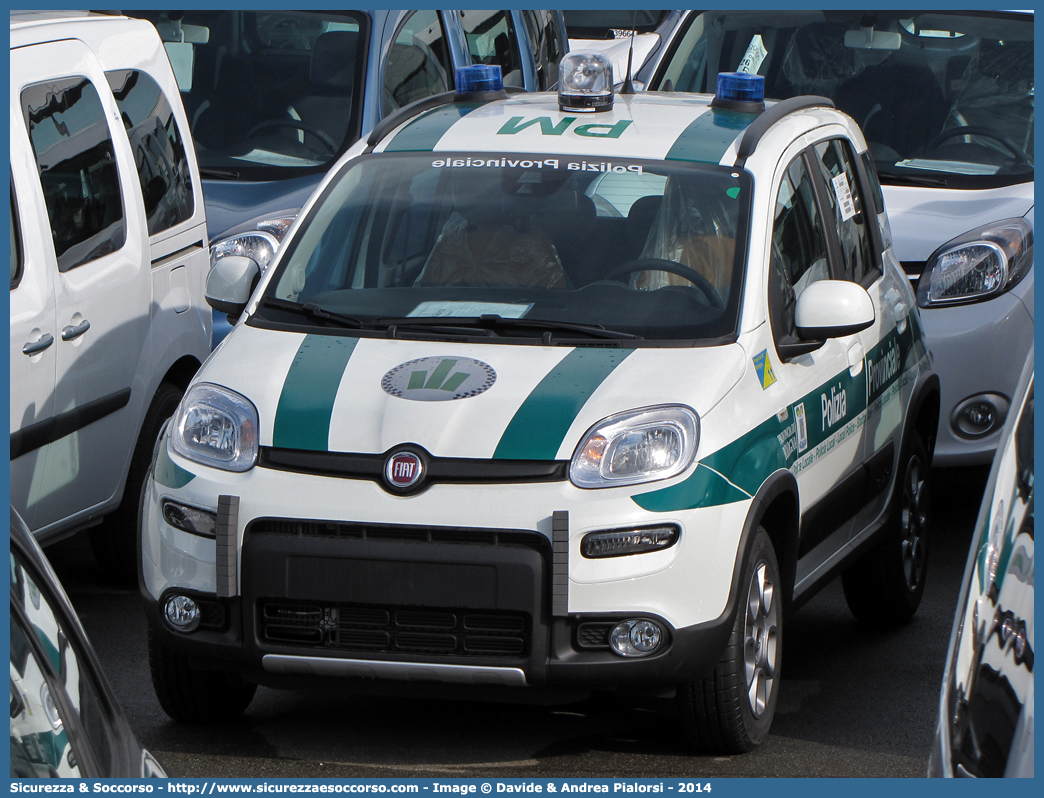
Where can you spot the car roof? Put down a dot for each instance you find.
(654, 125)
(22, 19)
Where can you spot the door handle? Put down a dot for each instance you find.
(902, 313)
(856, 353)
(71, 333)
(36, 347)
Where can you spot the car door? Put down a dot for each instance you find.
(886, 343)
(99, 261)
(33, 331)
(825, 385)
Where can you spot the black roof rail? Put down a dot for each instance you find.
(759, 127)
(418, 107)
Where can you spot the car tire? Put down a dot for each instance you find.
(884, 587)
(115, 541)
(195, 696)
(729, 711)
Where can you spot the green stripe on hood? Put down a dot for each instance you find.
(709, 136)
(539, 426)
(424, 132)
(302, 418)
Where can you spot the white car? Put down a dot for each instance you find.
(986, 713)
(109, 260)
(550, 390)
(945, 101)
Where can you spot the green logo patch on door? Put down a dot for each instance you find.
(439, 379)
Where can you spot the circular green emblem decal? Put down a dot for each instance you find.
(439, 379)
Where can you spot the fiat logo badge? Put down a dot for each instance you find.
(403, 469)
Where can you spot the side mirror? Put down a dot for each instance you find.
(833, 309)
(230, 283)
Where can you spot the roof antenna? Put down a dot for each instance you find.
(628, 86)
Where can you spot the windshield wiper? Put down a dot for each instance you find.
(492, 323)
(224, 174)
(313, 311)
(911, 180)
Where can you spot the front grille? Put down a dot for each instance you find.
(594, 635)
(345, 627)
(396, 532)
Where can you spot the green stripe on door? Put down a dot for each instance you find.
(540, 424)
(306, 404)
(424, 132)
(709, 135)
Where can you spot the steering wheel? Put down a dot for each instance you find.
(660, 265)
(296, 124)
(984, 132)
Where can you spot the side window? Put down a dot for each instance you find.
(492, 40)
(799, 248)
(418, 64)
(69, 693)
(158, 146)
(543, 42)
(838, 166)
(78, 172)
(16, 244)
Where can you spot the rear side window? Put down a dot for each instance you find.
(845, 198)
(418, 64)
(492, 40)
(544, 41)
(78, 172)
(158, 147)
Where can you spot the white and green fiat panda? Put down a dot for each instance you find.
(573, 389)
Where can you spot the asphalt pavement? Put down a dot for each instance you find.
(853, 701)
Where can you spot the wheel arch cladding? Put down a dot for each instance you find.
(775, 507)
(924, 409)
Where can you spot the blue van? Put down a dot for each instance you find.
(274, 97)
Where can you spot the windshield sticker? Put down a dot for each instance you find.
(763, 366)
(754, 57)
(469, 309)
(844, 196)
(536, 163)
(439, 379)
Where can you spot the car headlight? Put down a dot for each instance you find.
(216, 427)
(637, 446)
(259, 244)
(978, 265)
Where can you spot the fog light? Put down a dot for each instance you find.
(978, 416)
(182, 613)
(189, 519)
(636, 638)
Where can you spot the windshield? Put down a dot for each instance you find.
(943, 98)
(554, 244)
(590, 24)
(269, 94)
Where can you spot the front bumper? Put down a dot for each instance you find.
(321, 584)
(976, 349)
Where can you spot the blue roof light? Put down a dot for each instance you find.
(740, 87)
(479, 78)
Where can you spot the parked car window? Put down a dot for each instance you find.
(16, 243)
(799, 248)
(269, 95)
(492, 40)
(40, 744)
(67, 667)
(418, 65)
(158, 147)
(845, 197)
(543, 39)
(78, 172)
